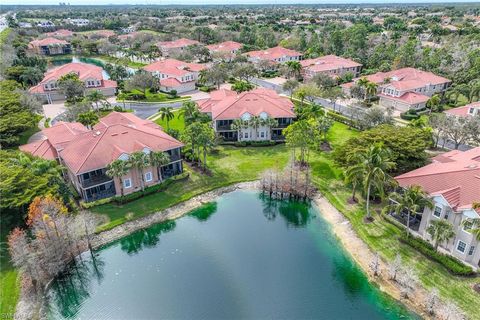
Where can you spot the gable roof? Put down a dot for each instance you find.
(407, 78)
(407, 97)
(47, 42)
(327, 63)
(60, 33)
(115, 134)
(226, 105)
(174, 67)
(226, 46)
(464, 111)
(455, 175)
(273, 53)
(42, 148)
(84, 71)
(179, 43)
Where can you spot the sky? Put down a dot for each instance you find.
(200, 2)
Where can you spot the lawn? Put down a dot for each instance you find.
(155, 97)
(177, 123)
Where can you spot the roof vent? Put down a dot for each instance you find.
(114, 134)
(472, 166)
(124, 132)
(97, 133)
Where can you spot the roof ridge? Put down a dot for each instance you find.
(403, 176)
(91, 150)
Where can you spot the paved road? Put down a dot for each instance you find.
(145, 110)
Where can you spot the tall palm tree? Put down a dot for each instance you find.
(95, 96)
(355, 178)
(440, 231)
(166, 114)
(373, 165)
(433, 103)
(270, 123)
(139, 160)
(370, 89)
(238, 125)
(294, 68)
(255, 122)
(158, 160)
(117, 169)
(412, 200)
(189, 112)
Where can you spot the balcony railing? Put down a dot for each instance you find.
(95, 180)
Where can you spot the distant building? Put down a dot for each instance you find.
(86, 153)
(60, 33)
(224, 106)
(452, 181)
(226, 50)
(331, 65)
(46, 24)
(406, 88)
(129, 29)
(175, 75)
(79, 22)
(275, 55)
(50, 46)
(91, 75)
(470, 110)
(176, 46)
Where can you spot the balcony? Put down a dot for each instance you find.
(100, 192)
(95, 181)
(174, 155)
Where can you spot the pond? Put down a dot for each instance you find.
(242, 256)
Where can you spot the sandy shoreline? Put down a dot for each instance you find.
(29, 307)
(363, 256)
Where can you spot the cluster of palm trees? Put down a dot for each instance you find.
(470, 91)
(254, 122)
(138, 161)
(369, 88)
(293, 69)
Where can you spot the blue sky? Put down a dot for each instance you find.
(186, 2)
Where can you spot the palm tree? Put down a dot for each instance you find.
(189, 111)
(167, 115)
(158, 160)
(294, 68)
(202, 77)
(370, 89)
(117, 169)
(373, 165)
(412, 199)
(433, 103)
(355, 178)
(95, 96)
(440, 231)
(255, 122)
(139, 160)
(270, 123)
(238, 125)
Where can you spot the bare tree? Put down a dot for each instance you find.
(394, 267)
(375, 265)
(431, 301)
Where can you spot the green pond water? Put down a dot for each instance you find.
(241, 257)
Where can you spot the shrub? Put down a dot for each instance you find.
(342, 119)
(118, 109)
(173, 132)
(263, 143)
(409, 115)
(452, 264)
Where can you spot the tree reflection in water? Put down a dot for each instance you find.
(72, 288)
(350, 276)
(296, 214)
(204, 212)
(145, 238)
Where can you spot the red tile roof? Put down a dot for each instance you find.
(328, 63)
(226, 46)
(179, 43)
(83, 150)
(60, 33)
(226, 105)
(42, 149)
(174, 67)
(170, 83)
(464, 111)
(47, 42)
(455, 175)
(273, 53)
(103, 33)
(417, 77)
(408, 98)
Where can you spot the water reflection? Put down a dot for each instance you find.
(296, 214)
(348, 275)
(205, 212)
(145, 238)
(71, 289)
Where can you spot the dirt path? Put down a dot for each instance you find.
(362, 254)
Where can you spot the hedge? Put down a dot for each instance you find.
(255, 143)
(342, 119)
(409, 116)
(136, 195)
(452, 264)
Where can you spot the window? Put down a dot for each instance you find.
(127, 183)
(262, 134)
(461, 246)
(148, 176)
(471, 250)
(467, 226)
(437, 212)
(246, 135)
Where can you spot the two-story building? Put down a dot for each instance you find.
(224, 51)
(175, 74)
(176, 46)
(469, 110)
(91, 75)
(331, 65)
(225, 106)
(406, 88)
(276, 55)
(50, 46)
(452, 181)
(86, 154)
